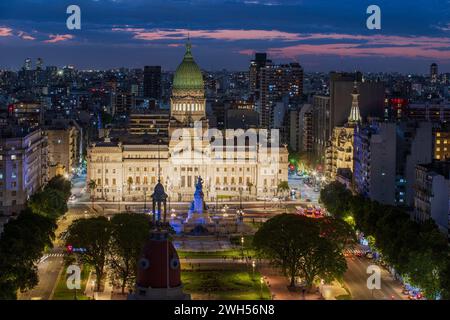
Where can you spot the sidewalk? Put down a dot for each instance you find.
(278, 286)
(104, 295)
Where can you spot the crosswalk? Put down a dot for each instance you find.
(50, 255)
(354, 252)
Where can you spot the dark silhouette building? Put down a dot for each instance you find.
(152, 82)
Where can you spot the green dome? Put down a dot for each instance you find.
(188, 75)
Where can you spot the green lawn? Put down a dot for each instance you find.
(226, 285)
(63, 293)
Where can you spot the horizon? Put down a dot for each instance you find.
(319, 35)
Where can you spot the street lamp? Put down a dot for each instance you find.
(93, 292)
(145, 199)
(261, 281)
(242, 246)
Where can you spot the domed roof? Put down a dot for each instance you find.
(188, 75)
(159, 194)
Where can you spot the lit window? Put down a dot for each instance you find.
(13, 157)
(438, 141)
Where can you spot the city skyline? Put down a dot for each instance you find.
(225, 34)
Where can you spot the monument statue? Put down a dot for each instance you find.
(198, 213)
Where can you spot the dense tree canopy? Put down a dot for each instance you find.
(337, 199)
(25, 238)
(417, 251)
(302, 247)
(93, 235)
(21, 246)
(129, 233)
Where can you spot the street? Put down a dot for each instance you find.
(48, 271)
(355, 280)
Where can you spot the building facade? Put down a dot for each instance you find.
(244, 164)
(63, 149)
(375, 161)
(340, 150)
(23, 168)
(432, 194)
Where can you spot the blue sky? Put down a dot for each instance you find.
(321, 35)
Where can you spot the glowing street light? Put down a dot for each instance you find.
(261, 281)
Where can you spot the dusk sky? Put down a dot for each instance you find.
(321, 35)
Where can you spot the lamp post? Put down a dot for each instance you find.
(145, 200)
(261, 281)
(314, 173)
(240, 198)
(253, 268)
(242, 246)
(93, 288)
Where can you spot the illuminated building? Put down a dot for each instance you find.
(124, 167)
(23, 167)
(339, 154)
(432, 194)
(441, 145)
(63, 149)
(434, 73)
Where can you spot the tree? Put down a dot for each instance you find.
(61, 184)
(93, 235)
(296, 244)
(130, 183)
(49, 202)
(283, 187)
(336, 199)
(128, 235)
(21, 246)
(337, 231)
(92, 186)
(249, 186)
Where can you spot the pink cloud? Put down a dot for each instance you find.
(5, 32)
(340, 44)
(355, 50)
(175, 45)
(58, 38)
(365, 46)
(220, 34)
(25, 36)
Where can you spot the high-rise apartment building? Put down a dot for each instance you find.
(434, 75)
(432, 194)
(152, 82)
(23, 167)
(63, 149)
(330, 111)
